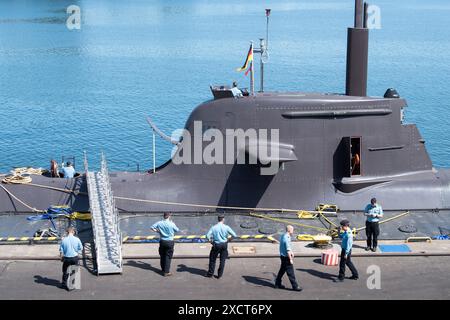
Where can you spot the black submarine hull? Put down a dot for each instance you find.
(317, 131)
(420, 191)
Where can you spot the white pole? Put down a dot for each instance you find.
(267, 27)
(252, 73)
(154, 152)
(261, 64)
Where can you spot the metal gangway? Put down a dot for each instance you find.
(105, 220)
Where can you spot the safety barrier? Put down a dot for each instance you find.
(16, 239)
(131, 239)
(200, 238)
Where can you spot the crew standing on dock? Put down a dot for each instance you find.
(69, 249)
(373, 212)
(346, 253)
(218, 235)
(166, 229)
(287, 261)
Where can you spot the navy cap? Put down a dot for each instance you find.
(345, 223)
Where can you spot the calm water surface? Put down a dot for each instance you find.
(63, 91)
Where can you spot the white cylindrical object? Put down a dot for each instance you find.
(330, 257)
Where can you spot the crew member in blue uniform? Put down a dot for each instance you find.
(218, 235)
(373, 212)
(69, 249)
(346, 252)
(287, 261)
(166, 229)
(68, 171)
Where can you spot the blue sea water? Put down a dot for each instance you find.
(65, 91)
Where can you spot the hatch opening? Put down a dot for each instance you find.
(355, 156)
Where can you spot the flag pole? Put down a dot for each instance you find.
(252, 72)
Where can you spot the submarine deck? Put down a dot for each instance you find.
(427, 223)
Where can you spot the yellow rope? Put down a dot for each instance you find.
(16, 179)
(387, 220)
(29, 170)
(168, 202)
(327, 220)
(17, 175)
(288, 222)
(304, 214)
(79, 216)
(205, 205)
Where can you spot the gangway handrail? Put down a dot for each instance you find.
(105, 221)
(88, 183)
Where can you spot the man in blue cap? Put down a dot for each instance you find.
(218, 235)
(346, 253)
(166, 230)
(68, 171)
(373, 212)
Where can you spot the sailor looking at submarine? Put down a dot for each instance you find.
(166, 229)
(218, 235)
(69, 249)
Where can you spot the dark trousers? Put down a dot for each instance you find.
(286, 267)
(346, 262)
(66, 263)
(166, 254)
(372, 232)
(216, 250)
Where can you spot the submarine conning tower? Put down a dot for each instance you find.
(357, 53)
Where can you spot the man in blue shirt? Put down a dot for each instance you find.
(346, 253)
(68, 171)
(287, 260)
(166, 230)
(235, 90)
(218, 235)
(373, 212)
(69, 249)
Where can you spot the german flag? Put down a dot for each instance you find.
(248, 70)
(248, 60)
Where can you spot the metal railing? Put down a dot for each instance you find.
(94, 231)
(108, 242)
(111, 207)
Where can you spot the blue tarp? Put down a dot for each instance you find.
(441, 237)
(394, 248)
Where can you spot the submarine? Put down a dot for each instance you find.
(338, 148)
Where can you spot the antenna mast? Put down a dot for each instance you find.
(263, 50)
